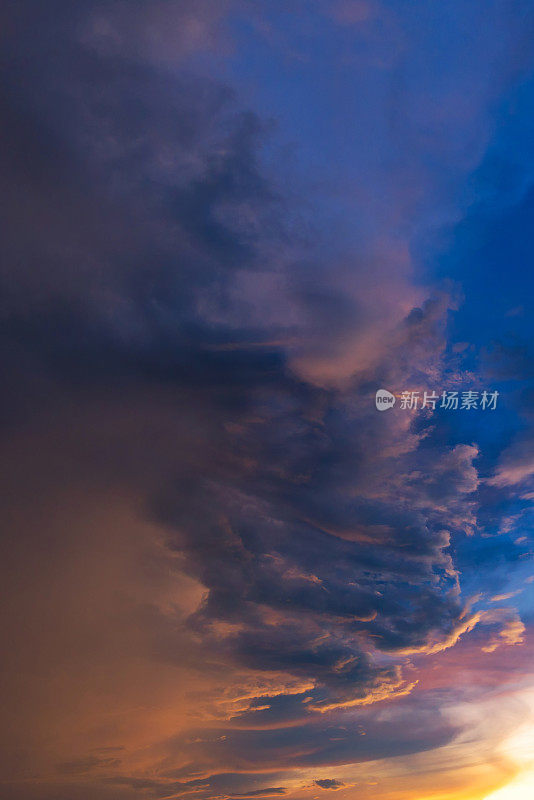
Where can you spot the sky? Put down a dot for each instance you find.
(225, 573)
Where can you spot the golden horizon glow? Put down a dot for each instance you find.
(520, 749)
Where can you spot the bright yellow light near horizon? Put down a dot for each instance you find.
(521, 788)
(520, 749)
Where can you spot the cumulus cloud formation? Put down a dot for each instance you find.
(220, 560)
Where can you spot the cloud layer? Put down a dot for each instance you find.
(225, 571)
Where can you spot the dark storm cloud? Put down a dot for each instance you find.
(321, 742)
(328, 783)
(134, 182)
(146, 335)
(148, 212)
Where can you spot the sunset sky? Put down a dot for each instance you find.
(225, 574)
